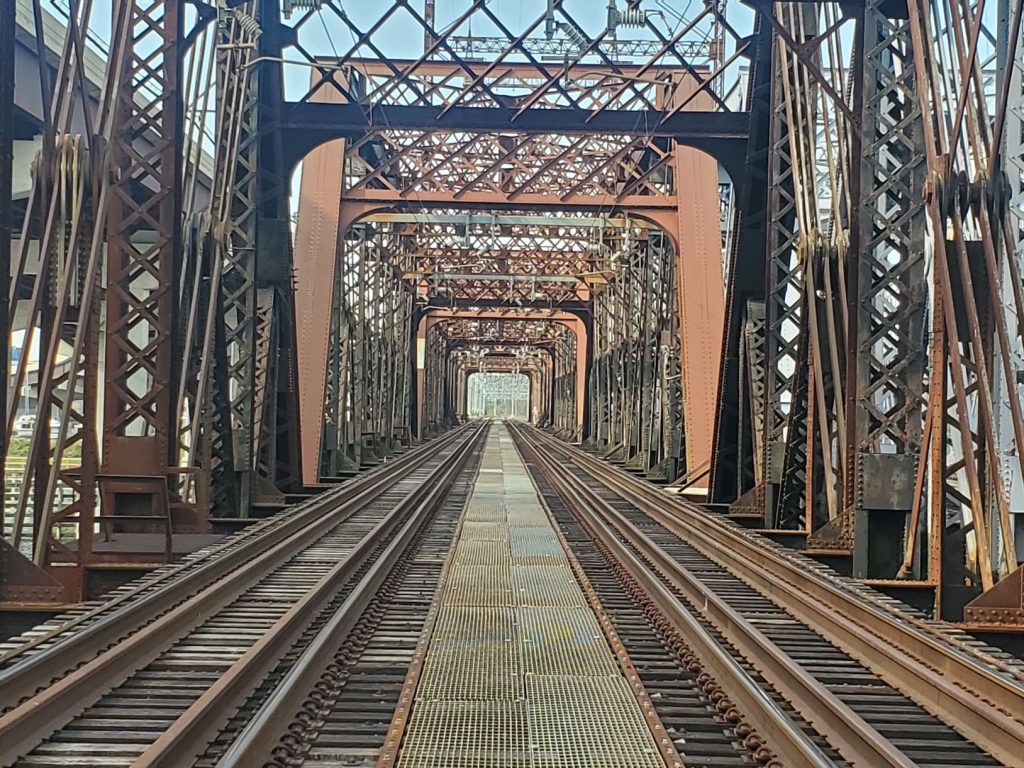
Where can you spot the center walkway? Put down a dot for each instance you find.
(518, 672)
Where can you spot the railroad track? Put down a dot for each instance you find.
(298, 642)
(164, 585)
(171, 671)
(36, 658)
(336, 704)
(882, 690)
(687, 700)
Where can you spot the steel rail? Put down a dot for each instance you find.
(262, 735)
(984, 706)
(202, 721)
(244, 537)
(845, 730)
(388, 755)
(37, 670)
(53, 707)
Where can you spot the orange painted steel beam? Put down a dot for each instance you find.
(698, 239)
(701, 293)
(316, 257)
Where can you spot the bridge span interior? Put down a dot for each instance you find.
(512, 383)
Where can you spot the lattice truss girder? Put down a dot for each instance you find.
(366, 406)
(588, 169)
(497, 394)
(531, 375)
(563, 167)
(219, 282)
(517, 76)
(808, 143)
(239, 103)
(564, 408)
(593, 79)
(511, 259)
(499, 384)
(139, 349)
(521, 343)
(177, 285)
(107, 226)
(1013, 268)
(199, 364)
(635, 387)
(57, 489)
(439, 371)
(501, 335)
(236, 386)
(794, 339)
(977, 429)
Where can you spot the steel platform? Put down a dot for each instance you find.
(518, 672)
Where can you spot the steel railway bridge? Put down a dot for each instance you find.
(478, 383)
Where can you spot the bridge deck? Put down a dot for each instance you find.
(518, 672)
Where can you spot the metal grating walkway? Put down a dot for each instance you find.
(518, 672)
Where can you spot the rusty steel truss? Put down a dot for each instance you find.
(872, 397)
(773, 256)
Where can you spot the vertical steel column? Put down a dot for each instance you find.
(701, 296)
(732, 471)
(674, 416)
(785, 344)
(240, 95)
(202, 406)
(332, 459)
(600, 385)
(356, 274)
(663, 410)
(218, 269)
(751, 417)
(144, 248)
(1012, 157)
(434, 381)
(888, 289)
(630, 327)
(635, 387)
(65, 496)
(642, 282)
(369, 366)
(277, 451)
(564, 382)
(320, 246)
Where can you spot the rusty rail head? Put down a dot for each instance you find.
(666, 747)
(262, 735)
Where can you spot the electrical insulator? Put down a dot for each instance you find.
(247, 24)
(632, 17)
(287, 6)
(576, 37)
(549, 20)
